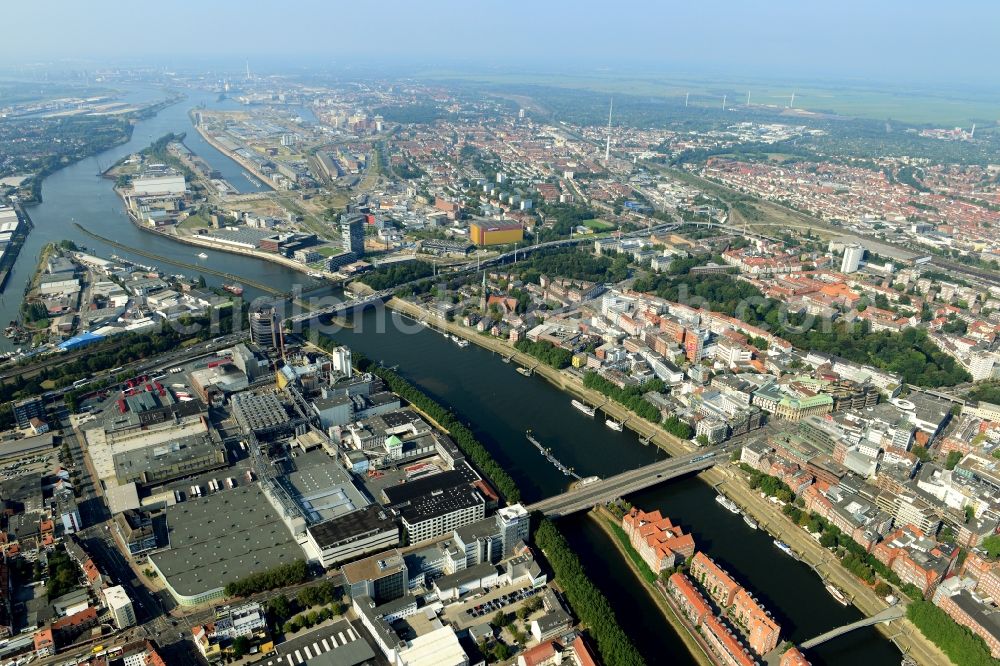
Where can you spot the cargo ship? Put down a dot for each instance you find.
(589, 411)
(233, 289)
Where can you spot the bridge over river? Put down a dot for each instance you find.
(588, 495)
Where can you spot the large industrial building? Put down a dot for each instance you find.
(217, 539)
(495, 233)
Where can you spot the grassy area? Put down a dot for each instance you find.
(633, 555)
(597, 224)
(196, 221)
(328, 250)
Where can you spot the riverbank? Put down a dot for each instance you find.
(196, 241)
(903, 633)
(695, 647)
(647, 431)
(251, 168)
(24, 228)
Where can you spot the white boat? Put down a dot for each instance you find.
(202, 255)
(614, 425)
(454, 338)
(751, 523)
(728, 503)
(463, 343)
(784, 547)
(589, 411)
(524, 371)
(837, 594)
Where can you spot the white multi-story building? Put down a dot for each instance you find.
(852, 258)
(442, 513)
(120, 606)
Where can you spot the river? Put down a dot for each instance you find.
(77, 194)
(500, 405)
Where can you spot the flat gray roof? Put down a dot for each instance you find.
(322, 487)
(219, 538)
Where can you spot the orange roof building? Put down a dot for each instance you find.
(688, 598)
(793, 657)
(714, 580)
(762, 631)
(659, 542)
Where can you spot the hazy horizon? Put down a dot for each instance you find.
(919, 42)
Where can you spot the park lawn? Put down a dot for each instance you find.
(597, 224)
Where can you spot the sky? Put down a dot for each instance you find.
(898, 40)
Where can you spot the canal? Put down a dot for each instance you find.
(78, 194)
(500, 405)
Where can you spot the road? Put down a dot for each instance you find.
(587, 496)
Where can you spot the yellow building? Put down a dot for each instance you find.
(495, 233)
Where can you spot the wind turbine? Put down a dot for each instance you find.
(791, 104)
(723, 102)
(748, 98)
(686, 96)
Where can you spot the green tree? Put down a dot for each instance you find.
(954, 457)
(241, 646)
(991, 545)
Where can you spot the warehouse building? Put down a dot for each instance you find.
(485, 232)
(220, 538)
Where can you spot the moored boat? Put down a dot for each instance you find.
(728, 503)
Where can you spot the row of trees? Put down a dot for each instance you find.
(282, 575)
(678, 428)
(771, 486)
(546, 352)
(393, 276)
(961, 645)
(630, 396)
(587, 600)
(852, 555)
(574, 264)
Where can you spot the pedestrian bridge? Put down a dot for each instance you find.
(588, 495)
(891, 613)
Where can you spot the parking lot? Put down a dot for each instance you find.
(477, 610)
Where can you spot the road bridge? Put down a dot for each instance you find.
(589, 495)
(891, 613)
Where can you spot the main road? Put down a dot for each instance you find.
(588, 495)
